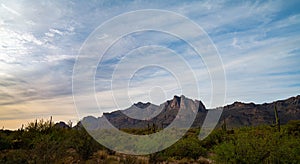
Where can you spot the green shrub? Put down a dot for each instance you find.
(15, 156)
(293, 127)
(5, 142)
(258, 145)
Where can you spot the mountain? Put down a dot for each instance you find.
(250, 114)
(144, 115)
(142, 111)
(62, 125)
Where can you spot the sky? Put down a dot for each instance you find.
(257, 42)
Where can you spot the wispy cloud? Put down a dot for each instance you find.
(10, 10)
(257, 41)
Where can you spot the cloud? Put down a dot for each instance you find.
(257, 41)
(10, 10)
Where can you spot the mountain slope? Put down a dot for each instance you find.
(250, 114)
(144, 115)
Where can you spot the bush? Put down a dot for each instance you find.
(14, 156)
(188, 147)
(293, 127)
(5, 142)
(258, 145)
(84, 144)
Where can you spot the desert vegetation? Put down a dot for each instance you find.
(43, 142)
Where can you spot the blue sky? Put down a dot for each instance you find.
(258, 42)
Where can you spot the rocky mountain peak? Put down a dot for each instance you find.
(142, 105)
(175, 102)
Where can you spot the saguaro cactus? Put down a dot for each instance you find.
(224, 127)
(50, 123)
(153, 127)
(277, 120)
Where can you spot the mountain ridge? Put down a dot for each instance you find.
(237, 114)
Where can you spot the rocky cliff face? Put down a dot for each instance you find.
(143, 115)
